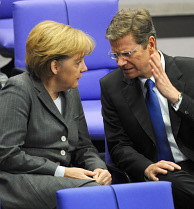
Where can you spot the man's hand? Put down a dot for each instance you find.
(79, 173)
(160, 167)
(162, 81)
(102, 176)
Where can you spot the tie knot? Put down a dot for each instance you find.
(149, 84)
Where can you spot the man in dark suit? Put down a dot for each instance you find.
(129, 127)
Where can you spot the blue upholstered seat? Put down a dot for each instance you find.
(93, 17)
(27, 14)
(144, 195)
(95, 197)
(6, 28)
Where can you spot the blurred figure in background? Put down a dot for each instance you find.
(3, 79)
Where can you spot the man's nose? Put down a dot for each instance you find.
(121, 61)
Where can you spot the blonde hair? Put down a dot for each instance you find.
(50, 40)
(137, 23)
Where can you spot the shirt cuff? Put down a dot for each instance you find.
(60, 171)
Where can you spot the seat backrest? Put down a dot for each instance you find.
(94, 197)
(93, 17)
(144, 195)
(27, 14)
(6, 8)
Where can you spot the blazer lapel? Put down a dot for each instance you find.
(44, 96)
(174, 76)
(132, 92)
(68, 106)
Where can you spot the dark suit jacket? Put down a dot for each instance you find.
(31, 131)
(127, 123)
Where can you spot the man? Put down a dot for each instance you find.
(130, 129)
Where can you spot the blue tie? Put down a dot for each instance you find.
(164, 151)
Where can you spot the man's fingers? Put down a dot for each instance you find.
(168, 165)
(174, 165)
(153, 177)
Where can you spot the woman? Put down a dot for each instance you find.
(44, 141)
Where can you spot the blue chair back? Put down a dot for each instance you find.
(6, 28)
(144, 195)
(6, 9)
(27, 14)
(96, 197)
(93, 17)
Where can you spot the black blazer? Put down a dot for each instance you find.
(127, 123)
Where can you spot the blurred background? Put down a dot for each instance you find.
(174, 23)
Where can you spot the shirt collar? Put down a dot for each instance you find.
(143, 80)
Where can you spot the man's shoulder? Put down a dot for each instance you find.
(180, 61)
(184, 60)
(19, 79)
(20, 84)
(113, 75)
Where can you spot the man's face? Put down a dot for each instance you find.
(136, 64)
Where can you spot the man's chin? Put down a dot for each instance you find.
(129, 75)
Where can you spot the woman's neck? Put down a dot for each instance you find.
(51, 87)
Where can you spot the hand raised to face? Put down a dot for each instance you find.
(162, 81)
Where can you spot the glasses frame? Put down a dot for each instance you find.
(123, 54)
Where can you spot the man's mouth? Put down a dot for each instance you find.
(126, 69)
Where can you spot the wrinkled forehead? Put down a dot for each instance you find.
(126, 43)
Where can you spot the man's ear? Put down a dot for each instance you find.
(54, 67)
(152, 44)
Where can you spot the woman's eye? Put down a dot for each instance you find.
(78, 62)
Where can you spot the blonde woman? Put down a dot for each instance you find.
(44, 141)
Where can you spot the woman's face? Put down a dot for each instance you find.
(69, 71)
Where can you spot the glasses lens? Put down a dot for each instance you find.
(113, 55)
(126, 54)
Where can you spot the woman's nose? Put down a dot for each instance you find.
(84, 67)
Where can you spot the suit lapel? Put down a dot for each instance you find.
(175, 77)
(45, 98)
(68, 106)
(132, 92)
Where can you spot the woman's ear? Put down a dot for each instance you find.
(152, 44)
(54, 67)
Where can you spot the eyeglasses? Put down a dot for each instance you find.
(123, 54)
